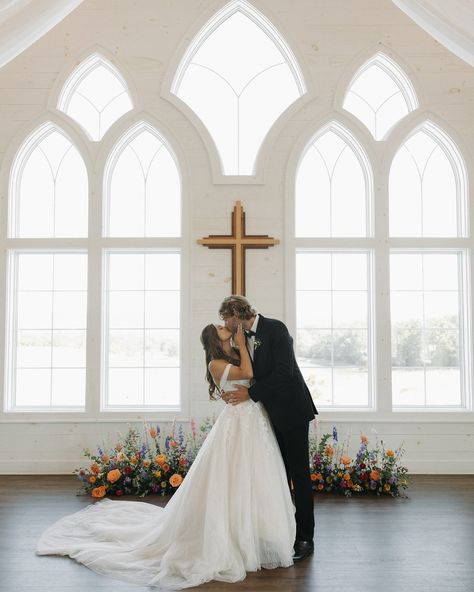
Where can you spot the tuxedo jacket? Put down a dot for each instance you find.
(279, 384)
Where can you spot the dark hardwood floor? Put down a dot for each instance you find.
(366, 544)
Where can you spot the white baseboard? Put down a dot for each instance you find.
(66, 467)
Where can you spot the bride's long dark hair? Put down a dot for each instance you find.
(213, 348)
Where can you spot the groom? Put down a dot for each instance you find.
(280, 386)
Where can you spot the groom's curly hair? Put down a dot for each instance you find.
(238, 306)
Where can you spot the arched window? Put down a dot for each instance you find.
(95, 96)
(380, 94)
(141, 290)
(238, 76)
(333, 191)
(48, 187)
(142, 186)
(428, 186)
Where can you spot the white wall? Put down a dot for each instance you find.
(146, 39)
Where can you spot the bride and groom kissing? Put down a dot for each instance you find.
(234, 511)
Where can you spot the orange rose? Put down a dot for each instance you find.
(182, 462)
(176, 480)
(346, 460)
(99, 491)
(146, 463)
(113, 476)
(346, 477)
(92, 479)
(329, 451)
(95, 468)
(160, 459)
(374, 475)
(166, 467)
(319, 476)
(390, 452)
(313, 477)
(153, 432)
(364, 439)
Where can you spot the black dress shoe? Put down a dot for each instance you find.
(303, 549)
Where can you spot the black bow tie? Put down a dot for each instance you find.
(250, 333)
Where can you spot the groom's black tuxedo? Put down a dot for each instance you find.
(279, 385)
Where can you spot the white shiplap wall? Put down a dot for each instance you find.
(146, 39)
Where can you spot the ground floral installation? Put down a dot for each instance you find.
(146, 461)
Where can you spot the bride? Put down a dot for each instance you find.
(232, 514)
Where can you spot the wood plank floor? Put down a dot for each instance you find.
(421, 544)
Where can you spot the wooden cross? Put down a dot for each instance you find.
(238, 242)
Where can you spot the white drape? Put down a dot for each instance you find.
(451, 22)
(22, 22)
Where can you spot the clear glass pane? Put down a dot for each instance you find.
(126, 349)
(319, 381)
(406, 309)
(126, 310)
(351, 386)
(162, 309)
(162, 348)
(68, 387)
(35, 271)
(162, 386)
(408, 387)
(407, 343)
(125, 387)
(443, 386)
(162, 271)
(440, 271)
(70, 271)
(314, 347)
(33, 349)
(33, 388)
(313, 271)
(126, 271)
(70, 310)
(349, 310)
(406, 271)
(35, 310)
(349, 271)
(313, 310)
(69, 349)
(350, 348)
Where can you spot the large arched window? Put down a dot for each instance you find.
(238, 76)
(141, 290)
(47, 275)
(95, 95)
(380, 95)
(334, 295)
(428, 187)
(333, 191)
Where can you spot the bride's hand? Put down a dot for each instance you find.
(239, 336)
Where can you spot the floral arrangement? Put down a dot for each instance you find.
(374, 470)
(143, 464)
(147, 462)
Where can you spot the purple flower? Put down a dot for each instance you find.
(393, 479)
(127, 480)
(155, 488)
(334, 433)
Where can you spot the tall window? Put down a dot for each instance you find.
(380, 95)
(238, 76)
(95, 96)
(333, 199)
(141, 301)
(47, 285)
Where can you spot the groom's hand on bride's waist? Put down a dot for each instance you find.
(239, 395)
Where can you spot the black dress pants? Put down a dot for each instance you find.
(294, 448)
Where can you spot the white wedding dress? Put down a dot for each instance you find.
(232, 514)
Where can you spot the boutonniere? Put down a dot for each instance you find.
(257, 343)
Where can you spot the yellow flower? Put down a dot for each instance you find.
(386, 487)
(164, 484)
(113, 476)
(99, 491)
(157, 474)
(176, 480)
(92, 479)
(390, 452)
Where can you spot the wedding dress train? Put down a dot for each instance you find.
(232, 514)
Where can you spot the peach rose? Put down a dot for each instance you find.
(95, 468)
(346, 460)
(105, 458)
(364, 439)
(176, 480)
(146, 463)
(160, 459)
(113, 476)
(118, 447)
(374, 475)
(346, 477)
(329, 451)
(92, 479)
(153, 432)
(99, 491)
(166, 467)
(313, 477)
(133, 460)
